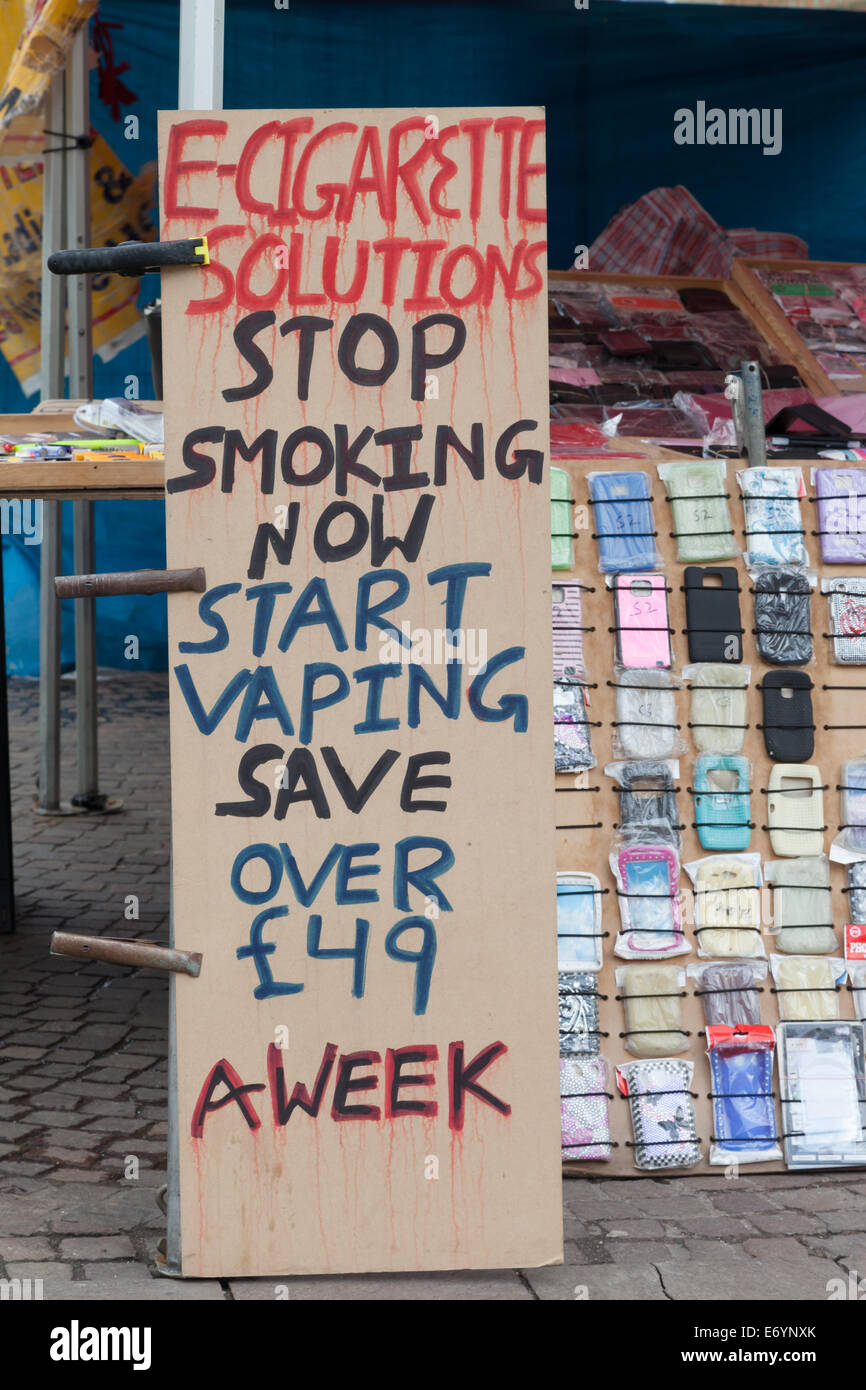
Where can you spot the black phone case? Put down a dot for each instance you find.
(789, 734)
(783, 617)
(713, 614)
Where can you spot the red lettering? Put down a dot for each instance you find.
(329, 271)
(446, 277)
(527, 171)
(426, 253)
(507, 127)
(328, 132)
(445, 174)
(347, 1084)
(396, 1058)
(246, 296)
(177, 168)
(222, 1073)
(476, 129)
(462, 1079)
(358, 182)
(220, 301)
(407, 172)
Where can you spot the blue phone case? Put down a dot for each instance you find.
(623, 518)
(722, 817)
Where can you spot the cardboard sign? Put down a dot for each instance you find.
(362, 818)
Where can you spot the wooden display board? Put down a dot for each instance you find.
(356, 429)
(588, 849)
(766, 312)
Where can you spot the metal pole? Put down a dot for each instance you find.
(200, 76)
(53, 352)
(88, 797)
(753, 415)
(200, 88)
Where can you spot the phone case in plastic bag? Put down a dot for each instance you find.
(561, 525)
(802, 905)
(713, 621)
(853, 805)
(729, 991)
(643, 639)
(648, 882)
(823, 1093)
(728, 905)
(650, 998)
(847, 604)
(722, 802)
(841, 494)
(788, 722)
(774, 524)
(795, 810)
(579, 1030)
(568, 660)
(585, 1108)
(662, 1114)
(718, 715)
(699, 509)
(578, 921)
(741, 1073)
(783, 623)
(646, 715)
(646, 796)
(807, 986)
(572, 747)
(624, 526)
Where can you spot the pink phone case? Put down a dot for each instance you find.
(641, 607)
(651, 917)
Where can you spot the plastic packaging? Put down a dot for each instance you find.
(795, 810)
(802, 905)
(727, 905)
(744, 1116)
(642, 625)
(729, 991)
(646, 790)
(774, 524)
(783, 621)
(821, 1076)
(713, 623)
(561, 523)
(857, 892)
(646, 716)
(647, 877)
(847, 617)
(567, 612)
(718, 717)
(807, 986)
(722, 801)
(852, 832)
(857, 981)
(579, 1030)
(624, 525)
(651, 997)
(662, 1114)
(841, 494)
(699, 509)
(571, 738)
(585, 1108)
(578, 921)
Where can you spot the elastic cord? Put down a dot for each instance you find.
(732, 989)
(654, 1143)
(640, 1095)
(633, 1032)
(577, 789)
(724, 825)
(587, 825)
(807, 989)
(741, 1095)
(677, 994)
(805, 829)
(584, 935)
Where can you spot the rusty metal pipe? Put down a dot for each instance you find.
(131, 582)
(117, 950)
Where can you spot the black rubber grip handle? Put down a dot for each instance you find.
(128, 258)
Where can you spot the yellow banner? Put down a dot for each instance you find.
(35, 37)
(120, 204)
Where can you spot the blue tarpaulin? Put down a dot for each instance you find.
(611, 76)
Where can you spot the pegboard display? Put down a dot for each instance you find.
(771, 700)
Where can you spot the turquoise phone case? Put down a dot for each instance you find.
(722, 818)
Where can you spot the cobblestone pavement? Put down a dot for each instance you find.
(83, 1094)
